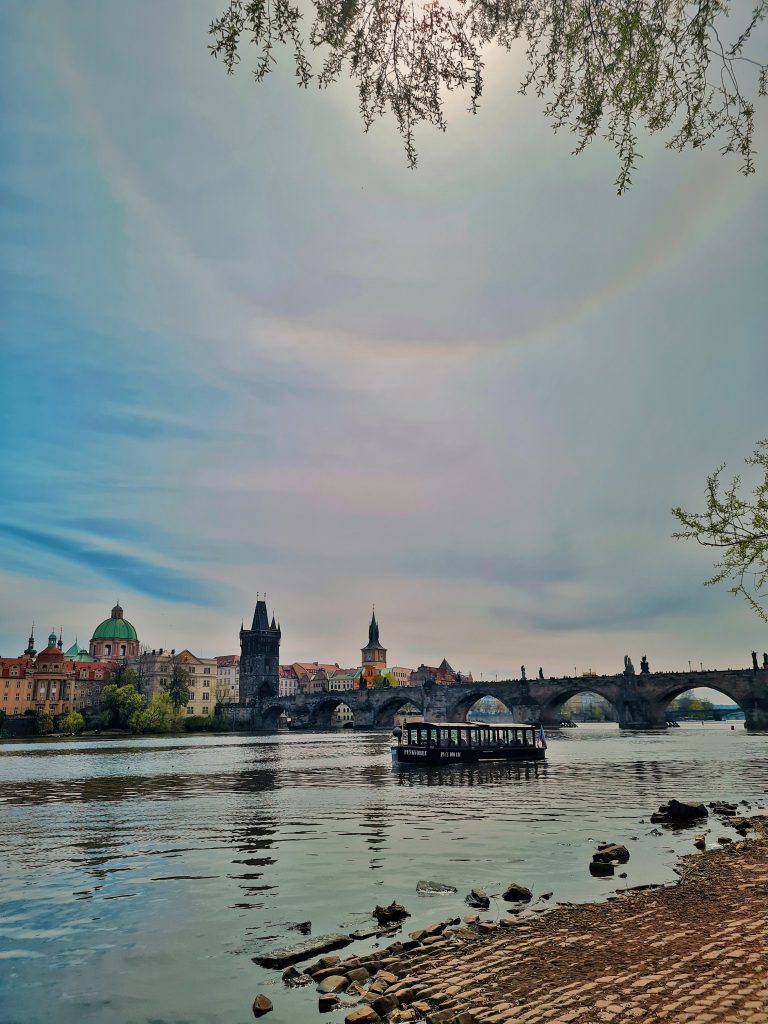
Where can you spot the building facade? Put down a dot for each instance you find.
(228, 678)
(259, 657)
(154, 671)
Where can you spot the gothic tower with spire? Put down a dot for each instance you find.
(374, 655)
(259, 657)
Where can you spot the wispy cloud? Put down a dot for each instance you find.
(60, 556)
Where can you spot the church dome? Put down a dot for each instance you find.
(115, 627)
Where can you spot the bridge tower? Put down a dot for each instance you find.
(259, 657)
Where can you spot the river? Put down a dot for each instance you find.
(140, 877)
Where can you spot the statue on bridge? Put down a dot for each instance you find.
(644, 669)
(755, 666)
(765, 661)
(522, 674)
(541, 673)
(629, 668)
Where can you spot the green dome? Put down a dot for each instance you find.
(115, 627)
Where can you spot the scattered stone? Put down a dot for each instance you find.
(384, 1004)
(394, 912)
(487, 926)
(261, 1005)
(301, 950)
(546, 896)
(358, 974)
(363, 1015)
(471, 919)
(611, 852)
(683, 810)
(623, 874)
(434, 888)
(724, 840)
(305, 927)
(387, 977)
(336, 983)
(601, 869)
(478, 898)
(516, 894)
(294, 978)
(658, 818)
(419, 935)
(327, 1002)
(700, 841)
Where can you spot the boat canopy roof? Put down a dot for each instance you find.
(469, 725)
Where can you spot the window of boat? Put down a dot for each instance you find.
(465, 737)
(444, 740)
(517, 737)
(454, 737)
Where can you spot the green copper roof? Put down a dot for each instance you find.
(115, 627)
(77, 653)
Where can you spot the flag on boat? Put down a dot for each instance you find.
(541, 739)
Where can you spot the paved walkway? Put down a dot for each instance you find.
(695, 952)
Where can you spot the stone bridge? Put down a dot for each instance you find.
(640, 700)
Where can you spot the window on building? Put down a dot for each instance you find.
(190, 710)
(107, 649)
(206, 671)
(206, 696)
(123, 650)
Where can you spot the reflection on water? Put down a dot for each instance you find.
(139, 878)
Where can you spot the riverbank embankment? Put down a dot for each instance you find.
(696, 951)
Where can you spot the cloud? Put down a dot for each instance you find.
(121, 568)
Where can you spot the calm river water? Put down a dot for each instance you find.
(139, 877)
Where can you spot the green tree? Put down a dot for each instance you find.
(121, 702)
(124, 675)
(44, 723)
(177, 687)
(380, 681)
(600, 68)
(737, 526)
(72, 723)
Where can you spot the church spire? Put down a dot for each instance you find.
(30, 651)
(373, 630)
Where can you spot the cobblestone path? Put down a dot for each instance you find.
(694, 952)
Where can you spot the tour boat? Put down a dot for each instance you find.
(465, 743)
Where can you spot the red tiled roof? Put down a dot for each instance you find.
(228, 659)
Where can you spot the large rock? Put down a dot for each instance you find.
(363, 1015)
(683, 810)
(516, 894)
(335, 983)
(601, 869)
(426, 888)
(611, 851)
(261, 1005)
(478, 898)
(287, 955)
(387, 915)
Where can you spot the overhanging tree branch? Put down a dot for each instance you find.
(601, 67)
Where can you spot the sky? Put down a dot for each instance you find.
(245, 349)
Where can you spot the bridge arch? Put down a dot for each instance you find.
(388, 709)
(551, 710)
(665, 698)
(322, 711)
(458, 711)
(270, 716)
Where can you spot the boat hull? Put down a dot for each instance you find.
(436, 755)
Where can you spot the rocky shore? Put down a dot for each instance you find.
(695, 951)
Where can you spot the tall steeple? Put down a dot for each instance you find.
(373, 653)
(30, 651)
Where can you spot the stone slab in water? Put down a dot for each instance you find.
(301, 950)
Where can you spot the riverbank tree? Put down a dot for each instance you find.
(177, 687)
(686, 70)
(736, 525)
(71, 723)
